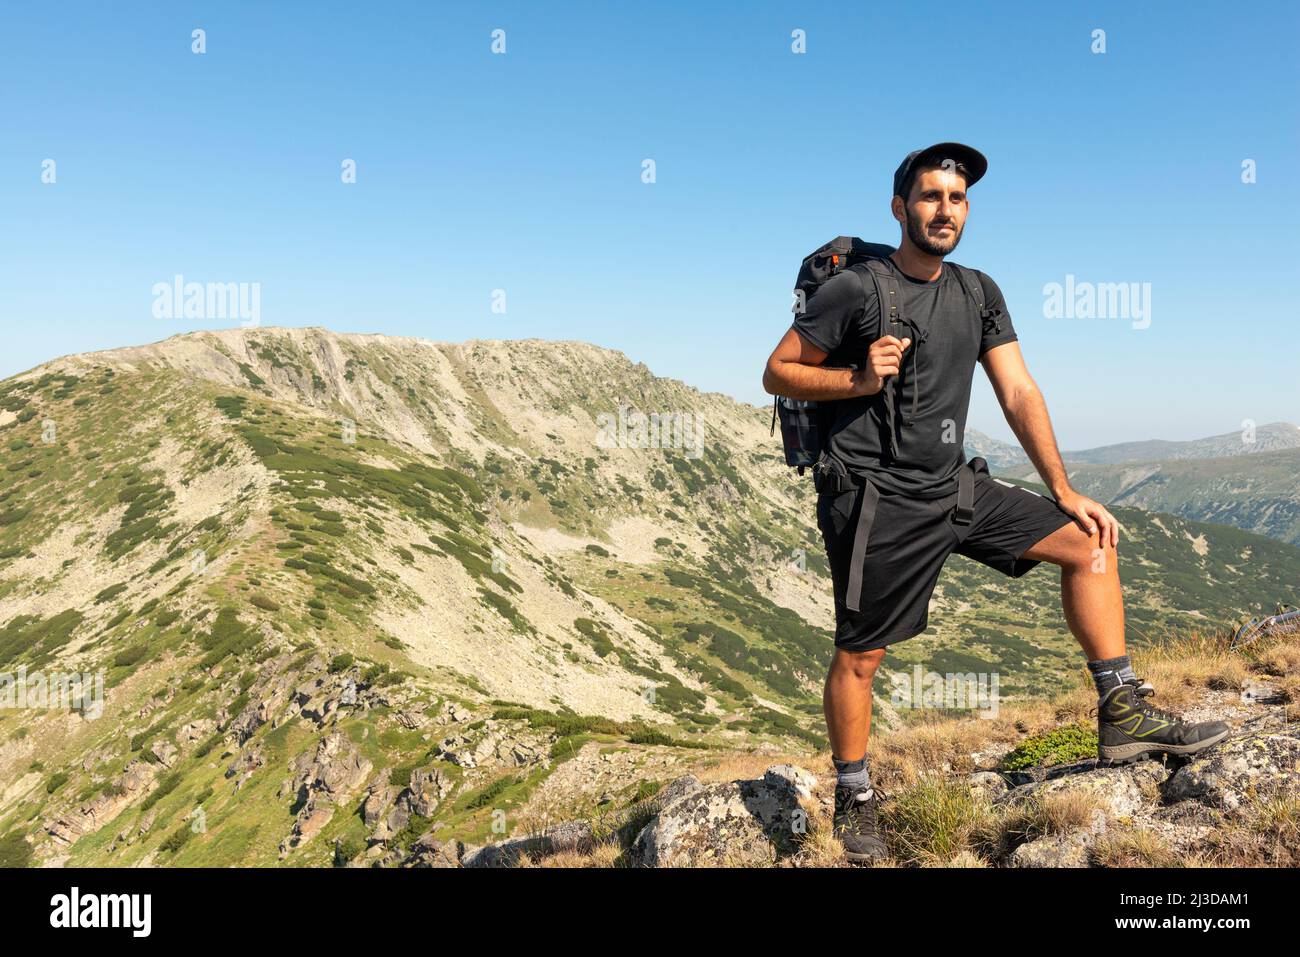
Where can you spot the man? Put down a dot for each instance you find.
(892, 506)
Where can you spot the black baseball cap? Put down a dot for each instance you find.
(971, 159)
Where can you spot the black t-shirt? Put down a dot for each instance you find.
(930, 420)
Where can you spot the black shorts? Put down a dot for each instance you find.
(899, 552)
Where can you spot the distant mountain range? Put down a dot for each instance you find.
(1274, 437)
(1253, 485)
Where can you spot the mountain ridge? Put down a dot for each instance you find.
(301, 553)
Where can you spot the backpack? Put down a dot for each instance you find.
(806, 425)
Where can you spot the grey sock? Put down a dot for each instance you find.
(852, 774)
(1111, 672)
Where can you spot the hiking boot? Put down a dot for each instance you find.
(1129, 729)
(855, 824)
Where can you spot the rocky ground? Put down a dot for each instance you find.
(1070, 815)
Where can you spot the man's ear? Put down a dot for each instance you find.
(897, 208)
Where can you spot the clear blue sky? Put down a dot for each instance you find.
(522, 172)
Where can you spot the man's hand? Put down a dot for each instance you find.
(884, 358)
(1091, 516)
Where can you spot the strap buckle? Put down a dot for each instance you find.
(830, 475)
(964, 513)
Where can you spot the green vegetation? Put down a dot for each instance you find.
(569, 725)
(109, 593)
(165, 787)
(15, 851)
(1059, 746)
(310, 559)
(506, 609)
(130, 656)
(227, 638)
(601, 643)
(261, 601)
(232, 406)
(147, 502)
(35, 639)
(176, 840)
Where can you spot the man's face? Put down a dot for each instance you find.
(935, 211)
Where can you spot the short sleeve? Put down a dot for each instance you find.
(998, 330)
(828, 314)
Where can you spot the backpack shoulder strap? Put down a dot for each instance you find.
(890, 297)
(974, 286)
(888, 293)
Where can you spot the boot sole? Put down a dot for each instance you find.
(1130, 753)
(863, 858)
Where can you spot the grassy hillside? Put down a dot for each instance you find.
(1258, 493)
(345, 589)
(1221, 479)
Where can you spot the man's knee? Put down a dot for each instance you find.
(1076, 550)
(1092, 556)
(860, 665)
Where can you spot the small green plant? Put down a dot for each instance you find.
(1073, 742)
(264, 603)
(109, 593)
(176, 840)
(645, 790)
(165, 787)
(130, 656)
(492, 791)
(166, 618)
(346, 849)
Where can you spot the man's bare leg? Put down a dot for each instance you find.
(1094, 610)
(846, 701)
(1090, 592)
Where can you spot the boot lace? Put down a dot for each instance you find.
(1145, 691)
(858, 813)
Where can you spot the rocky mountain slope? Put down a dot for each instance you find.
(1023, 790)
(1000, 455)
(343, 591)
(1261, 494)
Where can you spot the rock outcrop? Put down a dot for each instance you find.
(323, 780)
(737, 822)
(133, 783)
(567, 837)
(1179, 803)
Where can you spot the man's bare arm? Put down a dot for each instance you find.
(795, 370)
(1026, 413)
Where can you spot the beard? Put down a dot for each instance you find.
(927, 243)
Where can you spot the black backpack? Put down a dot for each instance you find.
(806, 425)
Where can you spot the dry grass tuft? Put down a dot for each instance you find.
(1134, 848)
(934, 821)
(1040, 816)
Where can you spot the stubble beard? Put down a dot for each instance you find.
(928, 244)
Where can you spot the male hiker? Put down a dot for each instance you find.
(897, 497)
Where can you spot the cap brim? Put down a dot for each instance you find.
(974, 161)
